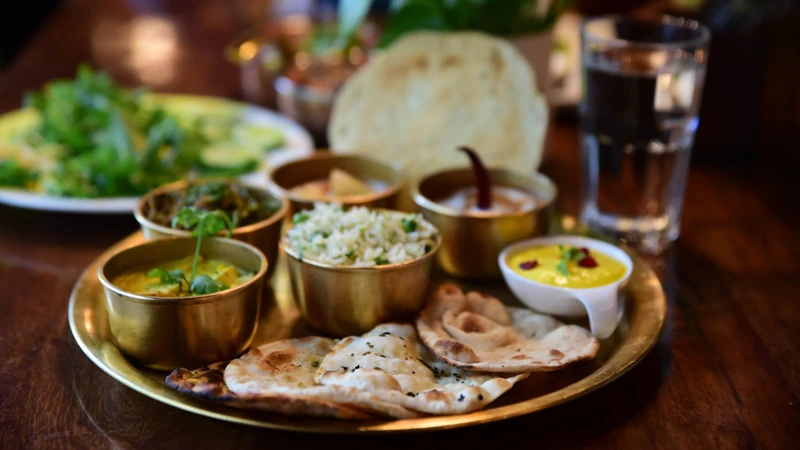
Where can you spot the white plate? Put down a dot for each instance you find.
(298, 143)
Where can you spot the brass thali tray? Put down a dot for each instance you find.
(643, 315)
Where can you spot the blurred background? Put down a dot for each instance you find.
(279, 51)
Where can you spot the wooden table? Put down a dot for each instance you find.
(725, 374)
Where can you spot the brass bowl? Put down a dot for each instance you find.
(347, 300)
(471, 244)
(265, 235)
(283, 178)
(163, 333)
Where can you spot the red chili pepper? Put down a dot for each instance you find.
(482, 181)
(585, 251)
(588, 262)
(528, 265)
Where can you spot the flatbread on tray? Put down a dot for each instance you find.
(207, 383)
(430, 92)
(391, 363)
(286, 368)
(477, 332)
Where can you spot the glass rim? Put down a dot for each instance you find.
(701, 39)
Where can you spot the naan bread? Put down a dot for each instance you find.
(207, 384)
(429, 93)
(477, 332)
(391, 363)
(287, 367)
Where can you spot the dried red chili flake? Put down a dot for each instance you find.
(528, 265)
(585, 251)
(588, 262)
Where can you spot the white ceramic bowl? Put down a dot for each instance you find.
(600, 304)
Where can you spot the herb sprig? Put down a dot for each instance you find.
(201, 224)
(569, 254)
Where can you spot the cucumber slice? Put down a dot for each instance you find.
(229, 158)
(262, 137)
(216, 128)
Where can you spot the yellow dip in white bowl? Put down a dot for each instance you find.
(547, 259)
(568, 276)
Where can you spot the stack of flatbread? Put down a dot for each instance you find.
(466, 351)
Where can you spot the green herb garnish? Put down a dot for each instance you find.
(381, 261)
(299, 217)
(570, 254)
(171, 277)
(204, 284)
(202, 224)
(409, 224)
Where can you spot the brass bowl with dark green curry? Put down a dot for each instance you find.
(258, 214)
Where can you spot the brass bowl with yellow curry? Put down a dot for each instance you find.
(160, 322)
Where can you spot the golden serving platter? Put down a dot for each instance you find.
(643, 317)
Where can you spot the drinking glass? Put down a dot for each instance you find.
(642, 87)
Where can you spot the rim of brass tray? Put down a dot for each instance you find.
(650, 305)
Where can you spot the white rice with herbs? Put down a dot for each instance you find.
(359, 236)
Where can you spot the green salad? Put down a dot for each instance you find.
(93, 138)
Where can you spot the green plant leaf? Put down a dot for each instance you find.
(213, 224)
(412, 16)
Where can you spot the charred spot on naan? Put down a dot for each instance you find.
(206, 383)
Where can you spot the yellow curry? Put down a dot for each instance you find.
(146, 282)
(567, 267)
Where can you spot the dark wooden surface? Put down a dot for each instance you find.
(725, 374)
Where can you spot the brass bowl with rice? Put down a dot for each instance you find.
(354, 269)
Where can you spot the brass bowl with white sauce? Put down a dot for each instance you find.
(283, 180)
(472, 242)
(163, 333)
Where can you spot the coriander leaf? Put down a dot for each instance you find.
(203, 284)
(562, 267)
(381, 261)
(202, 223)
(299, 217)
(187, 218)
(171, 277)
(211, 224)
(573, 254)
(409, 224)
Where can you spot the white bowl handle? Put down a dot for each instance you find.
(602, 307)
